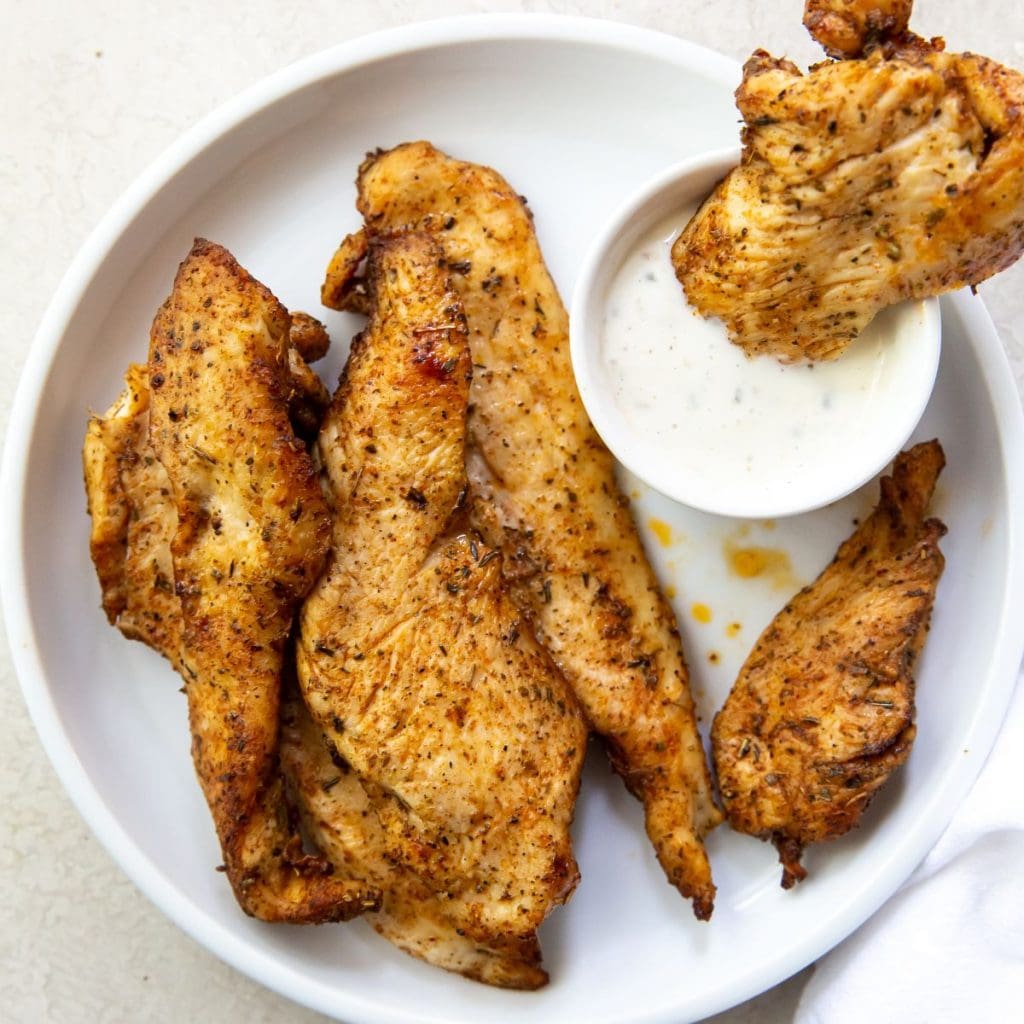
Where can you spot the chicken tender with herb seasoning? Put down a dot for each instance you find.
(133, 517)
(822, 712)
(412, 657)
(894, 173)
(250, 533)
(544, 489)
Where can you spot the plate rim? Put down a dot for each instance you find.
(345, 57)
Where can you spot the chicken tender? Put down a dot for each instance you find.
(822, 712)
(545, 492)
(412, 657)
(897, 174)
(251, 533)
(133, 517)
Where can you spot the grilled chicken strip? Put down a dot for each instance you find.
(822, 712)
(129, 497)
(341, 818)
(545, 492)
(412, 657)
(895, 175)
(251, 535)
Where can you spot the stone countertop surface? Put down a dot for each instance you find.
(92, 92)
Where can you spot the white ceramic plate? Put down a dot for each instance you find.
(576, 114)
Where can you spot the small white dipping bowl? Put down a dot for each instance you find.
(690, 414)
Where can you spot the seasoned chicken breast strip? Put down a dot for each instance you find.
(895, 175)
(133, 516)
(545, 491)
(340, 817)
(412, 657)
(822, 712)
(251, 535)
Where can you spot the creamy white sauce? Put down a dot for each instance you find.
(747, 427)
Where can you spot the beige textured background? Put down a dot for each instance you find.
(90, 93)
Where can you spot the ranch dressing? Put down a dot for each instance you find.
(746, 426)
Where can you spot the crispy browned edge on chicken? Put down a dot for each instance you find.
(848, 28)
(895, 174)
(545, 489)
(250, 535)
(412, 657)
(822, 711)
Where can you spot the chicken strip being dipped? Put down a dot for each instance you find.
(340, 817)
(412, 657)
(822, 712)
(896, 174)
(545, 492)
(250, 537)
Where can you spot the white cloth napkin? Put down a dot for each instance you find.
(949, 946)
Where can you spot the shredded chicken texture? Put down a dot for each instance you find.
(897, 173)
(341, 818)
(544, 489)
(208, 528)
(822, 712)
(412, 656)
